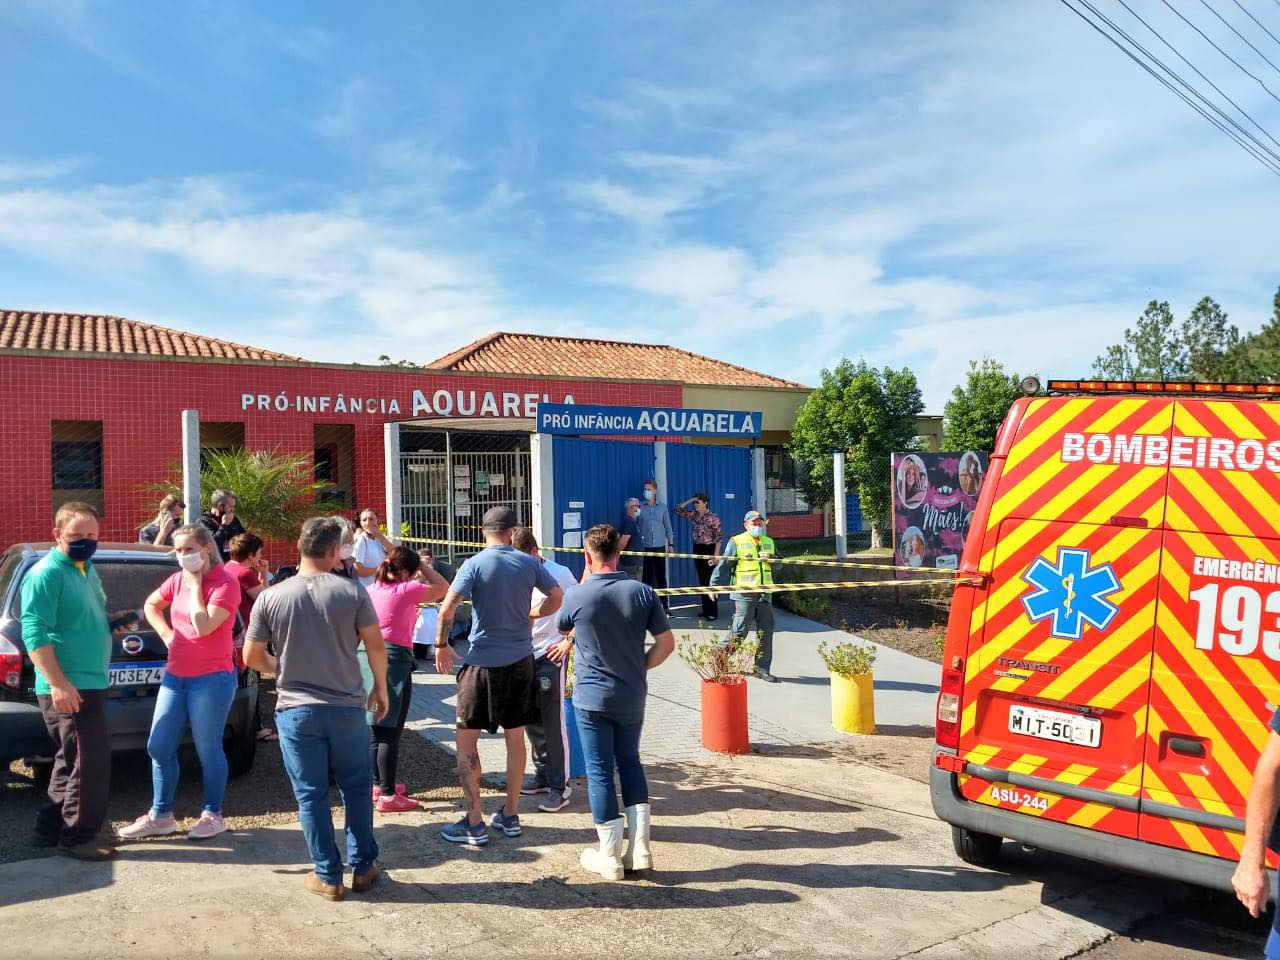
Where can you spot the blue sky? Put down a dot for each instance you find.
(776, 185)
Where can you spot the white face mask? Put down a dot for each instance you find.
(755, 529)
(650, 494)
(192, 561)
(346, 551)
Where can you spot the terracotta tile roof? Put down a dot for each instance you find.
(548, 356)
(92, 333)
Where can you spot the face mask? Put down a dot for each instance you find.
(650, 494)
(346, 551)
(191, 562)
(755, 529)
(81, 550)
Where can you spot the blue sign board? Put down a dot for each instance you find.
(585, 420)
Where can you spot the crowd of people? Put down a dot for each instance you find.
(338, 636)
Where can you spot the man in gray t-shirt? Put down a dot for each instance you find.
(315, 621)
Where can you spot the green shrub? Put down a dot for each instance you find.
(811, 605)
(715, 659)
(846, 658)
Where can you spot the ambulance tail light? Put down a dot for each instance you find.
(948, 720)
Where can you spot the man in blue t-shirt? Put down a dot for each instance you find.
(631, 541)
(609, 615)
(496, 685)
(1250, 878)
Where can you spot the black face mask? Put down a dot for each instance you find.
(81, 550)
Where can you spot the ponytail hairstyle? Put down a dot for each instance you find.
(399, 560)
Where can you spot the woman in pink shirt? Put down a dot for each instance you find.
(396, 596)
(199, 681)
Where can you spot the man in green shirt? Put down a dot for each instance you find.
(66, 631)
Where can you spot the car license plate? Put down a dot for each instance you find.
(135, 674)
(1052, 725)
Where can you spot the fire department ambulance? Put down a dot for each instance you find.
(1113, 652)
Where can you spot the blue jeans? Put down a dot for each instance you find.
(316, 742)
(609, 737)
(1272, 949)
(203, 703)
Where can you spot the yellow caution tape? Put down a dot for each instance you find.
(804, 562)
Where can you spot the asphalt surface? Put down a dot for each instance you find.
(1210, 924)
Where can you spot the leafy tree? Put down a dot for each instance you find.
(1258, 355)
(1211, 343)
(275, 492)
(869, 414)
(976, 409)
(1152, 350)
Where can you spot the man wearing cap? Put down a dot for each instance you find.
(632, 564)
(747, 562)
(496, 685)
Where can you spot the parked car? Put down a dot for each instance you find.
(129, 573)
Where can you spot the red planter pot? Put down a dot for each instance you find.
(724, 716)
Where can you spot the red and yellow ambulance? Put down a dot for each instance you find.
(1113, 653)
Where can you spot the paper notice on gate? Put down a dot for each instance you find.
(462, 509)
(461, 470)
(462, 483)
(497, 479)
(571, 521)
(573, 540)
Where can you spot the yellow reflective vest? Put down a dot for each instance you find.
(750, 571)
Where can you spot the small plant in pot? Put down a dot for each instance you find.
(722, 663)
(852, 690)
(576, 760)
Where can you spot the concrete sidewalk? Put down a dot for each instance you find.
(798, 852)
(795, 711)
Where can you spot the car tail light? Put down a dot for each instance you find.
(10, 665)
(948, 722)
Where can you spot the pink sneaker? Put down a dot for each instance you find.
(209, 825)
(377, 791)
(147, 826)
(397, 804)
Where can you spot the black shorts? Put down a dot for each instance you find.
(493, 697)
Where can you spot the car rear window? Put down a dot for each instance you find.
(127, 583)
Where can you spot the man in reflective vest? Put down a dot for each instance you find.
(748, 562)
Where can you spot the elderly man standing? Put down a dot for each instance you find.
(315, 621)
(657, 539)
(748, 563)
(630, 540)
(496, 685)
(67, 631)
(222, 521)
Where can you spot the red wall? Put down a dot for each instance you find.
(139, 403)
(804, 525)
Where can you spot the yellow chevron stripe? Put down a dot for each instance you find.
(1131, 630)
(1202, 724)
(1208, 497)
(1191, 835)
(1240, 425)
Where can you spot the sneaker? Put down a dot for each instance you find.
(397, 804)
(464, 832)
(209, 825)
(510, 825)
(532, 786)
(377, 791)
(148, 826)
(556, 800)
(765, 675)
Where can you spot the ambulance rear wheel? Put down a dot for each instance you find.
(979, 849)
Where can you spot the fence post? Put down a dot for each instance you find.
(542, 492)
(839, 506)
(391, 464)
(660, 478)
(191, 463)
(758, 495)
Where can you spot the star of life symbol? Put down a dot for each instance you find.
(1071, 592)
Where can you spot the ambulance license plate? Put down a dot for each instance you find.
(1052, 725)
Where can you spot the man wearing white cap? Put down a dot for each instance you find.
(747, 562)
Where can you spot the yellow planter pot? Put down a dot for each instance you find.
(853, 705)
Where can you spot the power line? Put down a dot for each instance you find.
(1244, 145)
(1271, 155)
(1227, 24)
(1179, 55)
(1256, 20)
(1221, 51)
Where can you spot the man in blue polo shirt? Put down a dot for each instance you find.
(657, 539)
(497, 684)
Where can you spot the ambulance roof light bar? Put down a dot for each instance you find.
(1162, 386)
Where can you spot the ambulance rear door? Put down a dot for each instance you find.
(1054, 707)
(1216, 671)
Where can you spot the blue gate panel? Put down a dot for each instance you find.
(724, 474)
(600, 475)
(852, 513)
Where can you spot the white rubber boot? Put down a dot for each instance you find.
(607, 860)
(638, 855)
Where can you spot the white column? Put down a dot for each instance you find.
(391, 466)
(660, 478)
(839, 505)
(191, 463)
(757, 480)
(543, 493)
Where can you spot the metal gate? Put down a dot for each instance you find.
(444, 496)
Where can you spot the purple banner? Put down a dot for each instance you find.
(934, 495)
